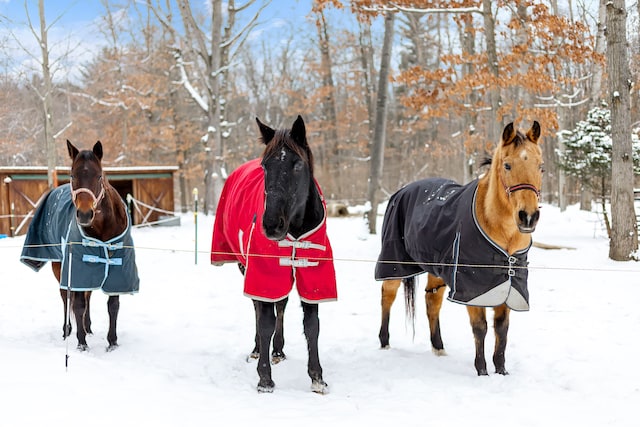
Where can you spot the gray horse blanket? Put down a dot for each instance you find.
(431, 226)
(54, 234)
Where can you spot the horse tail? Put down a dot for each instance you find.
(410, 303)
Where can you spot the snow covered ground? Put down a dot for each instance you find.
(573, 359)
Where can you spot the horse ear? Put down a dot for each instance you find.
(266, 132)
(97, 150)
(534, 132)
(298, 131)
(73, 151)
(508, 134)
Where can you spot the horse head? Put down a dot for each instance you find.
(519, 164)
(87, 185)
(288, 172)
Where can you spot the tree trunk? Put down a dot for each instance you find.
(366, 60)
(624, 232)
(492, 58)
(377, 145)
(332, 167)
(47, 110)
(598, 69)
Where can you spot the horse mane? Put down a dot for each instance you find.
(282, 138)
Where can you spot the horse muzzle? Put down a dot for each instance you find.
(275, 228)
(84, 218)
(527, 222)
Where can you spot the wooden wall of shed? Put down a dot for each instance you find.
(24, 195)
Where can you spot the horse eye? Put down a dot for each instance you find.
(297, 167)
(542, 168)
(507, 166)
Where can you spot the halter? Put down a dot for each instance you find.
(96, 200)
(518, 187)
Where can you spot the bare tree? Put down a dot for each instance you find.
(45, 95)
(205, 53)
(377, 144)
(328, 102)
(624, 232)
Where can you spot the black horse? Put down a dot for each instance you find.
(271, 218)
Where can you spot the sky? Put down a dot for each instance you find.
(75, 26)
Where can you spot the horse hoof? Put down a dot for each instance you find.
(439, 351)
(253, 356)
(502, 371)
(111, 347)
(277, 358)
(266, 386)
(482, 373)
(319, 386)
(385, 347)
(83, 347)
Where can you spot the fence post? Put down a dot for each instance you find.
(195, 219)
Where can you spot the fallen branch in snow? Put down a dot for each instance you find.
(548, 246)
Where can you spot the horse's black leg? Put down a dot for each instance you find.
(278, 338)
(255, 353)
(79, 304)
(87, 314)
(113, 306)
(266, 327)
(501, 328)
(66, 325)
(311, 324)
(478, 319)
(389, 292)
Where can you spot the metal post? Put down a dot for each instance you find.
(195, 219)
(67, 319)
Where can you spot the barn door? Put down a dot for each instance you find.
(156, 197)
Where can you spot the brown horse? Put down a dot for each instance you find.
(502, 208)
(90, 219)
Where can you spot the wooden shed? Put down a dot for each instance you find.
(22, 187)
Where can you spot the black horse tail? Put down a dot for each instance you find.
(410, 303)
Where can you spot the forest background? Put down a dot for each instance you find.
(180, 83)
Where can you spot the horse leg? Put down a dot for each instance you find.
(255, 353)
(311, 324)
(389, 291)
(66, 324)
(79, 304)
(434, 294)
(113, 306)
(278, 338)
(87, 314)
(478, 319)
(266, 327)
(501, 328)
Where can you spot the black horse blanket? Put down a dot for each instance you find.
(54, 234)
(271, 268)
(431, 226)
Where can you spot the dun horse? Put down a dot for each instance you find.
(271, 219)
(83, 229)
(473, 238)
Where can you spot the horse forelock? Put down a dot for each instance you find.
(85, 156)
(282, 139)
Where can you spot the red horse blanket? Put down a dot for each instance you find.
(272, 268)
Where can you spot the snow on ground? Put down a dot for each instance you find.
(185, 337)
